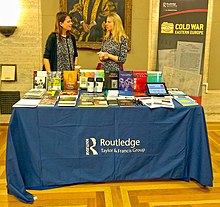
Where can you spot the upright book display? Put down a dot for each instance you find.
(54, 80)
(84, 74)
(126, 81)
(140, 79)
(70, 80)
(40, 79)
(111, 80)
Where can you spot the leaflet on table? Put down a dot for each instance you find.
(157, 102)
(176, 92)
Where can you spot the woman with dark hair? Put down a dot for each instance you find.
(60, 50)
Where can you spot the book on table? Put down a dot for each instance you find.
(185, 100)
(126, 81)
(137, 94)
(112, 102)
(49, 98)
(140, 80)
(48, 101)
(92, 100)
(34, 93)
(84, 74)
(68, 98)
(69, 93)
(67, 101)
(54, 80)
(125, 95)
(70, 80)
(112, 94)
(40, 79)
(111, 80)
(126, 102)
(52, 93)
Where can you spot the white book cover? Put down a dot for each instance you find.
(40, 79)
(27, 103)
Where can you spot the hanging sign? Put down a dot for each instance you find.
(181, 40)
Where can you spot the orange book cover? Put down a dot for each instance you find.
(70, 80)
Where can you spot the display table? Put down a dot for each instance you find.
(58, 146)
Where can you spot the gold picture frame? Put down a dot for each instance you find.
(122, 7)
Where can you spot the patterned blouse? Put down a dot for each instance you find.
(114, 48)
(65, 54)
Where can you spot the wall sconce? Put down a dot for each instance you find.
(7, 30)
(8, 23)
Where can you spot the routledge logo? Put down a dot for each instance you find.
(90, 146)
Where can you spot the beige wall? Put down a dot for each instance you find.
(214, 60)
(48, 18)
(24, 47)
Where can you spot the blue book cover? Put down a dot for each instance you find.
(126, 81)
(125, 93)
(185, 100)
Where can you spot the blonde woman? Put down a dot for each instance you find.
(115, 44)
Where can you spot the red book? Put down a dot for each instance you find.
(140, 79)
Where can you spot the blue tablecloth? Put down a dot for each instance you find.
(57, 146)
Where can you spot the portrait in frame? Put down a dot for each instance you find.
(93, 13)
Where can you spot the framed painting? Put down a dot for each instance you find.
(89, 17)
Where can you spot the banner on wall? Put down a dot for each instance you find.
(181, 43)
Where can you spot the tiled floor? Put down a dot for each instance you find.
(4, 118)
(211, 105)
